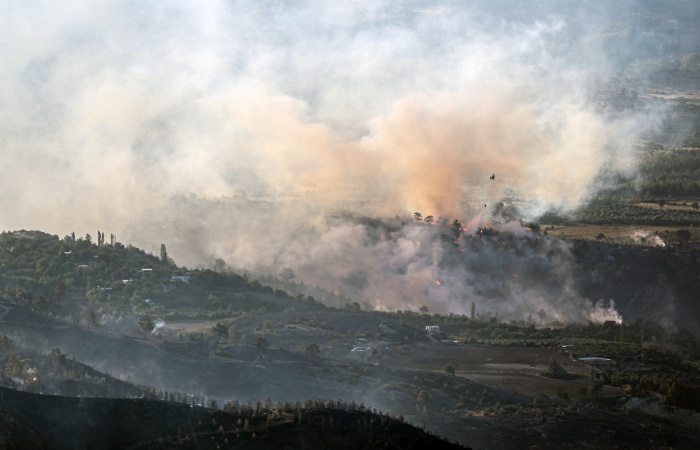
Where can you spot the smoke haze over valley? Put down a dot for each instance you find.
(359, 224)
(263, 134)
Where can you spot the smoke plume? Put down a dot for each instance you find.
(244, 131)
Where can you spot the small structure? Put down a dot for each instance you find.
(183, 278)
(432, 329)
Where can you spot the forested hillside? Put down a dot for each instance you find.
(675, 173)
(664, 191)
(87, 281)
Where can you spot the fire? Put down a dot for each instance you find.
(438, 282)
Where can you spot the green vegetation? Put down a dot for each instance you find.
(261, 343)
(555, 370)
(606, 211)
(664, 192)
(674, 172)
(645, 356)
(83, 281)
(681, 124)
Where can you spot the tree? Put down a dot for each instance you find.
(352, 307)
(220, 329)
(555, 370)
(312, 349)
(429, 220)
(57, 357)
(683, 236)
(695, 205)
(473, 311)
(456, 224)
(13, 366)
(60, 289)
(542, 313)
(146, 324)
(422, 397)
(287, 275)
(423, 309)
(5, 342)
(450, 369)
(163, 253)
(418, 216)
(690, 61)
(91, 318)
(662, 202)
(261, 343)
(534, 227)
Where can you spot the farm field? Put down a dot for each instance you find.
(585, 231)
(498, 367)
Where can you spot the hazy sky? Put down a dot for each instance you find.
(108, 109)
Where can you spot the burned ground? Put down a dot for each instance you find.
(42, 421)
(496, 398)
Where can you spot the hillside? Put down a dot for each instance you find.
(111, 287)
(100, 284)
(215, 338)
(40, 421)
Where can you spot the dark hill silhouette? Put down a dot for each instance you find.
(40, 421)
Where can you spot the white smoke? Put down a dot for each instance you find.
(647, 238)
(158, 326)
(238, 130)
(601, 313)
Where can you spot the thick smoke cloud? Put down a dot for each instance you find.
(118, 116)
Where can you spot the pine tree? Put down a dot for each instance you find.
(163, 253)
(555, 370)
